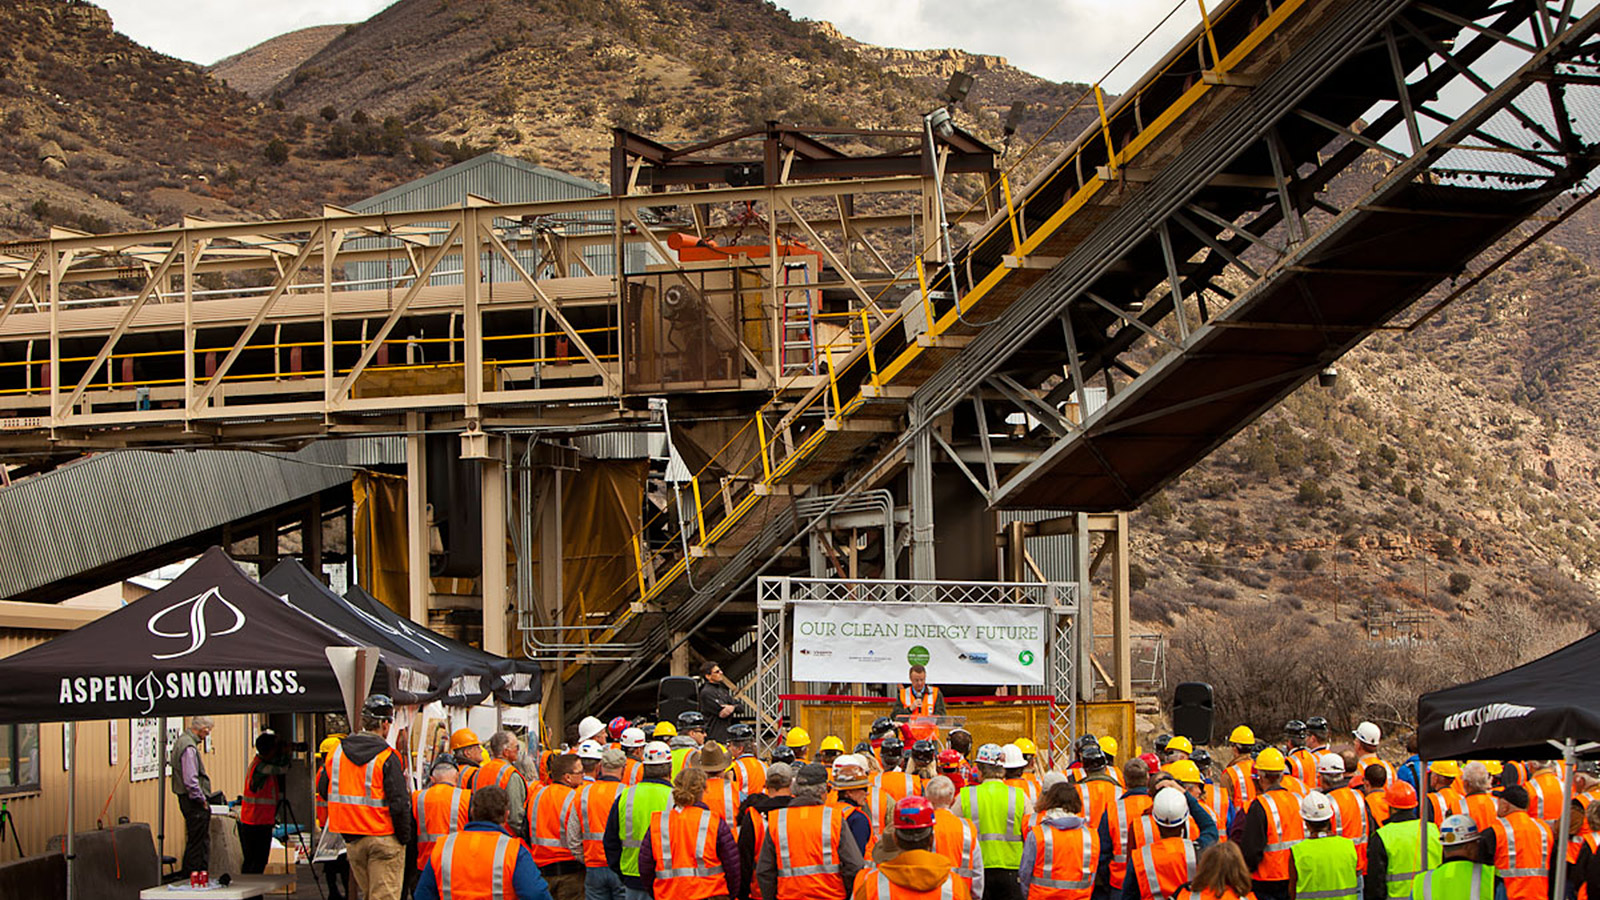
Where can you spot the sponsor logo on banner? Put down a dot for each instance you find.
(150, 688)
(1483, 715)
(192, 613)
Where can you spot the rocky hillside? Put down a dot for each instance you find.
(101, 133)
(546, 79)
(258, 70)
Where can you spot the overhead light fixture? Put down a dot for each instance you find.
(940, 125)
(959, 87)
(1328, 377)
(1014, 117)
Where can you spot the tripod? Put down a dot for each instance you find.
(5, 819)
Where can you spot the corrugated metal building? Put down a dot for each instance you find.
(496, 177)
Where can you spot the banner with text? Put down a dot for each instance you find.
(960, 644)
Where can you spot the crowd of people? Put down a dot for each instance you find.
(634, 810)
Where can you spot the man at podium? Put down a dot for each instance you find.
(918, 698)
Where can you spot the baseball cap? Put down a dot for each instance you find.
(1514, 794)
(811, 774)
(613, 758)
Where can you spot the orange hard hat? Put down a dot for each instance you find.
(463, 737)
(1400, 795)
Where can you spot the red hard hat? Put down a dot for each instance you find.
(1151, 760)
(1400, 795)
(616, 727)
(950, 759)
(912, 813)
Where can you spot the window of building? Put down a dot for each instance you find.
(19, 758)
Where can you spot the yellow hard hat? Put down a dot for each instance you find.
(1494, 766)
(798, 737)
(1185, 771)
(831, 742)
(1241, 735)
(1028, 748)
(1180, 744)
(328, 744)
(664, 729)
(1271, 760)
(1108, 744)
(463, 737)
(1449, 768)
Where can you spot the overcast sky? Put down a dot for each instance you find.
(1075, 40)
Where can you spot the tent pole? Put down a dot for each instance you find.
(1566, 816)
(161, 794)
(1424, 815)
(72, 808)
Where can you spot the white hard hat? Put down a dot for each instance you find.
(1458, 829)
(1171, 807)
(656, 753)
(991, 755)
(590, 727)
(1368, 733)
(1316, 807)
(632, 737)
(1330, 764)
(590, 750)
(1011, 757)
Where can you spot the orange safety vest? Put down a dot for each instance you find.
(1371, 759)
(1216, 803)
(1522, 855)
(925, 706)
(1144, 832)
(1294, 785)
(1241, 786)
(356, 802)
(685, 844)
(806, 842)
(1123, 814)
(1482, 810)
(1544, 790)
(465, 775)
(1028, 788)
(259, 807)
(750, 775)
(1063, 862)
(758, 828)
(441, 810)
(594, 807)
(632, 771)
(1377, 807)
(1350, 820)
(547, 823)
(1593, 840)
(1285, 828)
(898, 785)
(1164, 867)
(1303, 765)
(872, 884)
(1446, 803)
(1098, 796)
(1227, 894)
(956, 839)
(497, 772)
(723, 797)
(475, 865)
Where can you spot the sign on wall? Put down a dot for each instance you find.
(959, 644)
(143, 737)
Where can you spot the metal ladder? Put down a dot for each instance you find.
(799, 327)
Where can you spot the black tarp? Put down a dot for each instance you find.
(465, 676)
(211, 642)
(1518, 713)
(522, 688)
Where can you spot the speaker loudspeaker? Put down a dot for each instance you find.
(1192, 712)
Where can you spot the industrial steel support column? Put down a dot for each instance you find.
(417, 563)
(493, 472)
(920, 492)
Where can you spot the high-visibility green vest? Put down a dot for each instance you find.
(635, 807)
(1457, 879)
(1400, 843)
(1325, 869)
(678, 756)
(997, 810)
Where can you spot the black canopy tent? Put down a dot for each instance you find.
(522, 688)
(1544, 709)
(464, 676)
(211, 642)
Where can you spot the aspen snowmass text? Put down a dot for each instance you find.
(150, 688)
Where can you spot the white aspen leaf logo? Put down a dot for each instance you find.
(199, 629)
